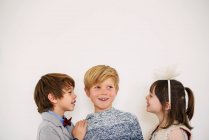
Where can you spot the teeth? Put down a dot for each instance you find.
(103, 99)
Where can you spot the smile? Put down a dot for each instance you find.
(103, 99)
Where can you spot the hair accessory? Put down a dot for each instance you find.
(186, 98)
(167, 74)
(169, 92)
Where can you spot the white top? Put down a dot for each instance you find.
(163, 134)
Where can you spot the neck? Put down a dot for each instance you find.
(58, 112)
(162, 120)
(101, 110)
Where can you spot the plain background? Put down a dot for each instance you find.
(135, 37)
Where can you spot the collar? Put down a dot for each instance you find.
(98, 114)
(61, 119)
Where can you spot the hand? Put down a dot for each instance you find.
(79, 131)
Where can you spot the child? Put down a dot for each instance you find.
(54, 94)
(107, 123)
(167, 100)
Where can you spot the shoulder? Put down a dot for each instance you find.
(126, 116)
(46, 128)
(179, 132)
(49, 123)
(48, 132)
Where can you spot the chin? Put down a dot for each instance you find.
(147, 110)
(70, 109)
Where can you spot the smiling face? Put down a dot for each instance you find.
(66, 102)
(153, 104)
(102, 95)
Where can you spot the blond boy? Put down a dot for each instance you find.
(107, 123)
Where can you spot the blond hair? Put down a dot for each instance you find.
(98, 74)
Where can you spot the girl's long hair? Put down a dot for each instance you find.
(179, 112)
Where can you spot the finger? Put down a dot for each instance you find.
(79, 124)
(84, 122)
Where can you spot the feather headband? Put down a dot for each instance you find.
(167, 74)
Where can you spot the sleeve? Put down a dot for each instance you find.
(136, 129)
(48, 133)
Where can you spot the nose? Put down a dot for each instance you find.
(75, 96)
(104, 91)
(146, 97)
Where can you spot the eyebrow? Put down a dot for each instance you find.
(110, 84)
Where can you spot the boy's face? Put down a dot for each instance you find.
(67, 102)
(102, 95)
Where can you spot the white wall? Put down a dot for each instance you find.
(136, 37)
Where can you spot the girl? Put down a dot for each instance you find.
(167, 100)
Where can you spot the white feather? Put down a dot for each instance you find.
(166, 73)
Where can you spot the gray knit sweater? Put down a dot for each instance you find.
(113, 125)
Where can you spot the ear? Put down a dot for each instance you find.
(167, 106)
(52, 98)
(87, 92)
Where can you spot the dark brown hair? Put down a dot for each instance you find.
(51, 83)
(178, 112)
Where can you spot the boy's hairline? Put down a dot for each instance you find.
(116, 82)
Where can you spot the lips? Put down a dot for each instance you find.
(74, 102)
(147, 104)
(103, 99)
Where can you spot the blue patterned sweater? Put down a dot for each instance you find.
(113, 124)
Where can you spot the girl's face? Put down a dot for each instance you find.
(102, 95)
(153, 104)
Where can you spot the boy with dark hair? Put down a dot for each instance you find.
(54, 95)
